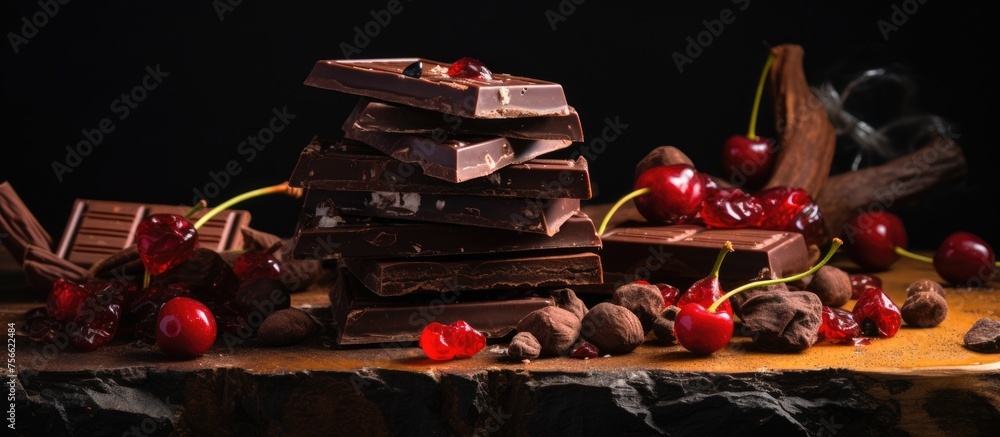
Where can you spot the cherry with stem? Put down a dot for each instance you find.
(750, 157)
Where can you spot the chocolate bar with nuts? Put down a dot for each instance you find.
(681, 254)
(543, 216)
(348, 165)
(378, 116)
(398, 276)
(97, 229)
(362, 317)
(456, 158)
(503, 96)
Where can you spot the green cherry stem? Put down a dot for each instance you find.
(752, 132)
(197, 207)
(273, 189)
(726, 248)
(765, 282)
(903, 252)
(617, 205)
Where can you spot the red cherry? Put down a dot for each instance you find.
(873, 239)
(670, 294)
(861, 281)
(95, 326)
(700, 331)
(66, 299)
(434, 342)
(748, 161)
(707, 290)
(731, 209)
(185, 328)
(165, 240)
(965, 259)
(792, 210)
(255, 265)
(877, 315)
(676, 193)
(465, 340)
(838, 326)
(470, 68)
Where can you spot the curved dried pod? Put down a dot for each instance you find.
(806, 137)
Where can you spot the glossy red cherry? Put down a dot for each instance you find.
(839, 326)
(252, 265)
(165, 240)
(877, 315)
(185, 328)
(676, 193)
(861, 281)
(707, 290)
(748, 159)
(701, 331)
(470, 68)
(964, 259)
(731, 209)
(872, 239)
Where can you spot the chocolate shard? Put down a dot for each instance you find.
(348, 165)
(19, 228)
(97, 229)
(378, 116)
(393, 277)
(504, 96)
(361, 317)
(456, 158)
(324, 234)
(543, 216)
(680, 254)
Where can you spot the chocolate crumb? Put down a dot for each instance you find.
(984, 336)
(923, 286)
(783, 321)
(555, 329)
(566, 299)
(524, 346)
(924, 309)
(613, 328)
(832, 285)
(643, 300)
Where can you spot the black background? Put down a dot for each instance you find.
(613, 59)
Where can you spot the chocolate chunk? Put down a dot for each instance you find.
(924, 286)
(348, 165)
(924, 310)
(361, 317)
(504, 96)
(372, 115)
(414, 70)
(644, 300)
(319, 236)
(457, 158)
(524, 346)
(97, 229)
(555, 328)
(832, 285)
(984, 336)
(393, 277)
(285, 327)
(566, 299)
(663, 326)
(543, 216)
(680, 254)
(783, 321)
(614, 329)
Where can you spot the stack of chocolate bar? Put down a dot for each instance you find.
(436, 204)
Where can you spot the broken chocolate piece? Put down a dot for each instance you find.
(783, 321)
(504, 96)
(393, 277)
(348, 165)
(457, 158)
(984, 336)
(97, 229)
(376, 116)
(543, 216)
(361, 317)
(681, 254)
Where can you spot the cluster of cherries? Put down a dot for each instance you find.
(455, 340)
(877, 239)
(191, 296)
